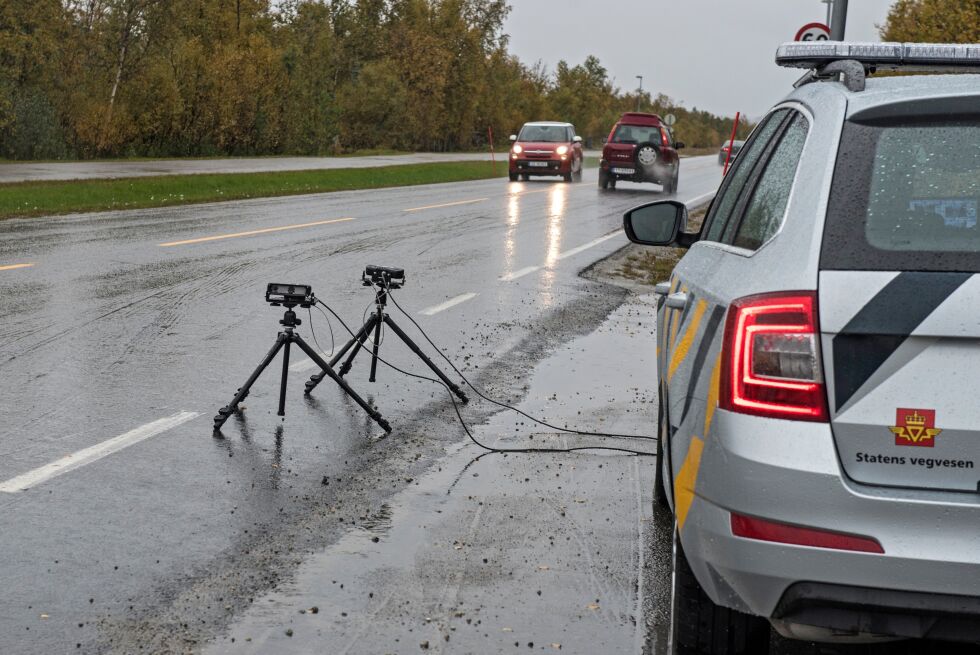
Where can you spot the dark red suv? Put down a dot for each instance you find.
(546, 148)
(640, 148)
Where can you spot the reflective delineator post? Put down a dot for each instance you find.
(731, 143)
(492, 158)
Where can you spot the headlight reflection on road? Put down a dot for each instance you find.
(557, 198)
(513, 220)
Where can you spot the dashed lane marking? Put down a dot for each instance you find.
(446, 204)
(249, 233)
(94, 453)
(519, 273)
(568, 253)
(452, 302)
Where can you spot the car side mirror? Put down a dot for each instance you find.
(658, 224)
(513, 137)
(678, 145)
(576, 139)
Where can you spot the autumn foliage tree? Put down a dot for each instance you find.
(933, 21)
(94, 78)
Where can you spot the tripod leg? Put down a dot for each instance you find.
(242, 392)
(285, 377)
(360, 336)
(373, 413)
(363, 336)
(435, 369)
(357, 342)
(380, 316)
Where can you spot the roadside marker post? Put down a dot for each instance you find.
(493, 159)
(731, 143)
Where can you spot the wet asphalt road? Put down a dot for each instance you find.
(87, 170)
(106, 332)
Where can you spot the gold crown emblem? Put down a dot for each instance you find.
(915, 420)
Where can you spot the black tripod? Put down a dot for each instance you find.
(285, 339)
(382, 282)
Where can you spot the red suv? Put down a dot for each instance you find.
(640, 148)
(546, 148)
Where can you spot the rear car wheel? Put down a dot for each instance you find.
(699, 627)
(659, 491)
(513, 177)
(603, 179)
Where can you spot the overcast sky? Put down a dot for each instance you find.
(710, 54)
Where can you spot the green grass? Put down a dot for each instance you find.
(652, 265)
(46, 198)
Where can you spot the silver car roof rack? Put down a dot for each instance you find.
(852, 62)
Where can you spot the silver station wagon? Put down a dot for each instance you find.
(819, 363)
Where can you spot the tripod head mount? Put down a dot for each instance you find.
(289, 320)
(383, 276)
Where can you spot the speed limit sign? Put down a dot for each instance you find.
(813, 32)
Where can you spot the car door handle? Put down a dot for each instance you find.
(662, 288)
(677, 300)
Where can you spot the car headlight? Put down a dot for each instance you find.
(562, 150)
(518, 149)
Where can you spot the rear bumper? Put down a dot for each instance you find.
(855, 610)
(789, 472)
(659, 173)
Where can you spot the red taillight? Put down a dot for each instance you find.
(771, 358)
(663, 139)
(753, 528)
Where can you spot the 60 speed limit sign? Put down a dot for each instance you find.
(813, 32)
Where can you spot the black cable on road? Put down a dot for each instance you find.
(462, 421)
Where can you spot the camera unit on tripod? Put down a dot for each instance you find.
(383, 276)
(289, 295)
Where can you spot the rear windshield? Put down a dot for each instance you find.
(905, 197)
(636, 134)
(544, 133)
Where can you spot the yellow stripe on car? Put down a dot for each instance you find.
(685, 481)
(682, 349)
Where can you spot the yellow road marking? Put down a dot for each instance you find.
(709, 412)
(10, 267)
(447, 204)
(686, 478)
(252, 232)
(681, 350)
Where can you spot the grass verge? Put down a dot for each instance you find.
(63, 197)
(648, 265)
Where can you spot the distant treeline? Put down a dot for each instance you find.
(96, 78)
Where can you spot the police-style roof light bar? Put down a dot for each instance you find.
(929, 56)
(854, 60)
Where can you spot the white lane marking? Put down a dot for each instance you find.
(446, 204)
(695, 201)
(307, 364)
(94, 453)
(12, 267)
(519, 273)
(590, 244)
(265, 230)
(452, 302)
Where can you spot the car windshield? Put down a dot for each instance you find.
(912, 204)
(544, 133)
(636, 134)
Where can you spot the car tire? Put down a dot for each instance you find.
(513, 177)
(568, 176)
(646, 155)
(525, 177)
(659, 489)
(603, 179)
(700, 627)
